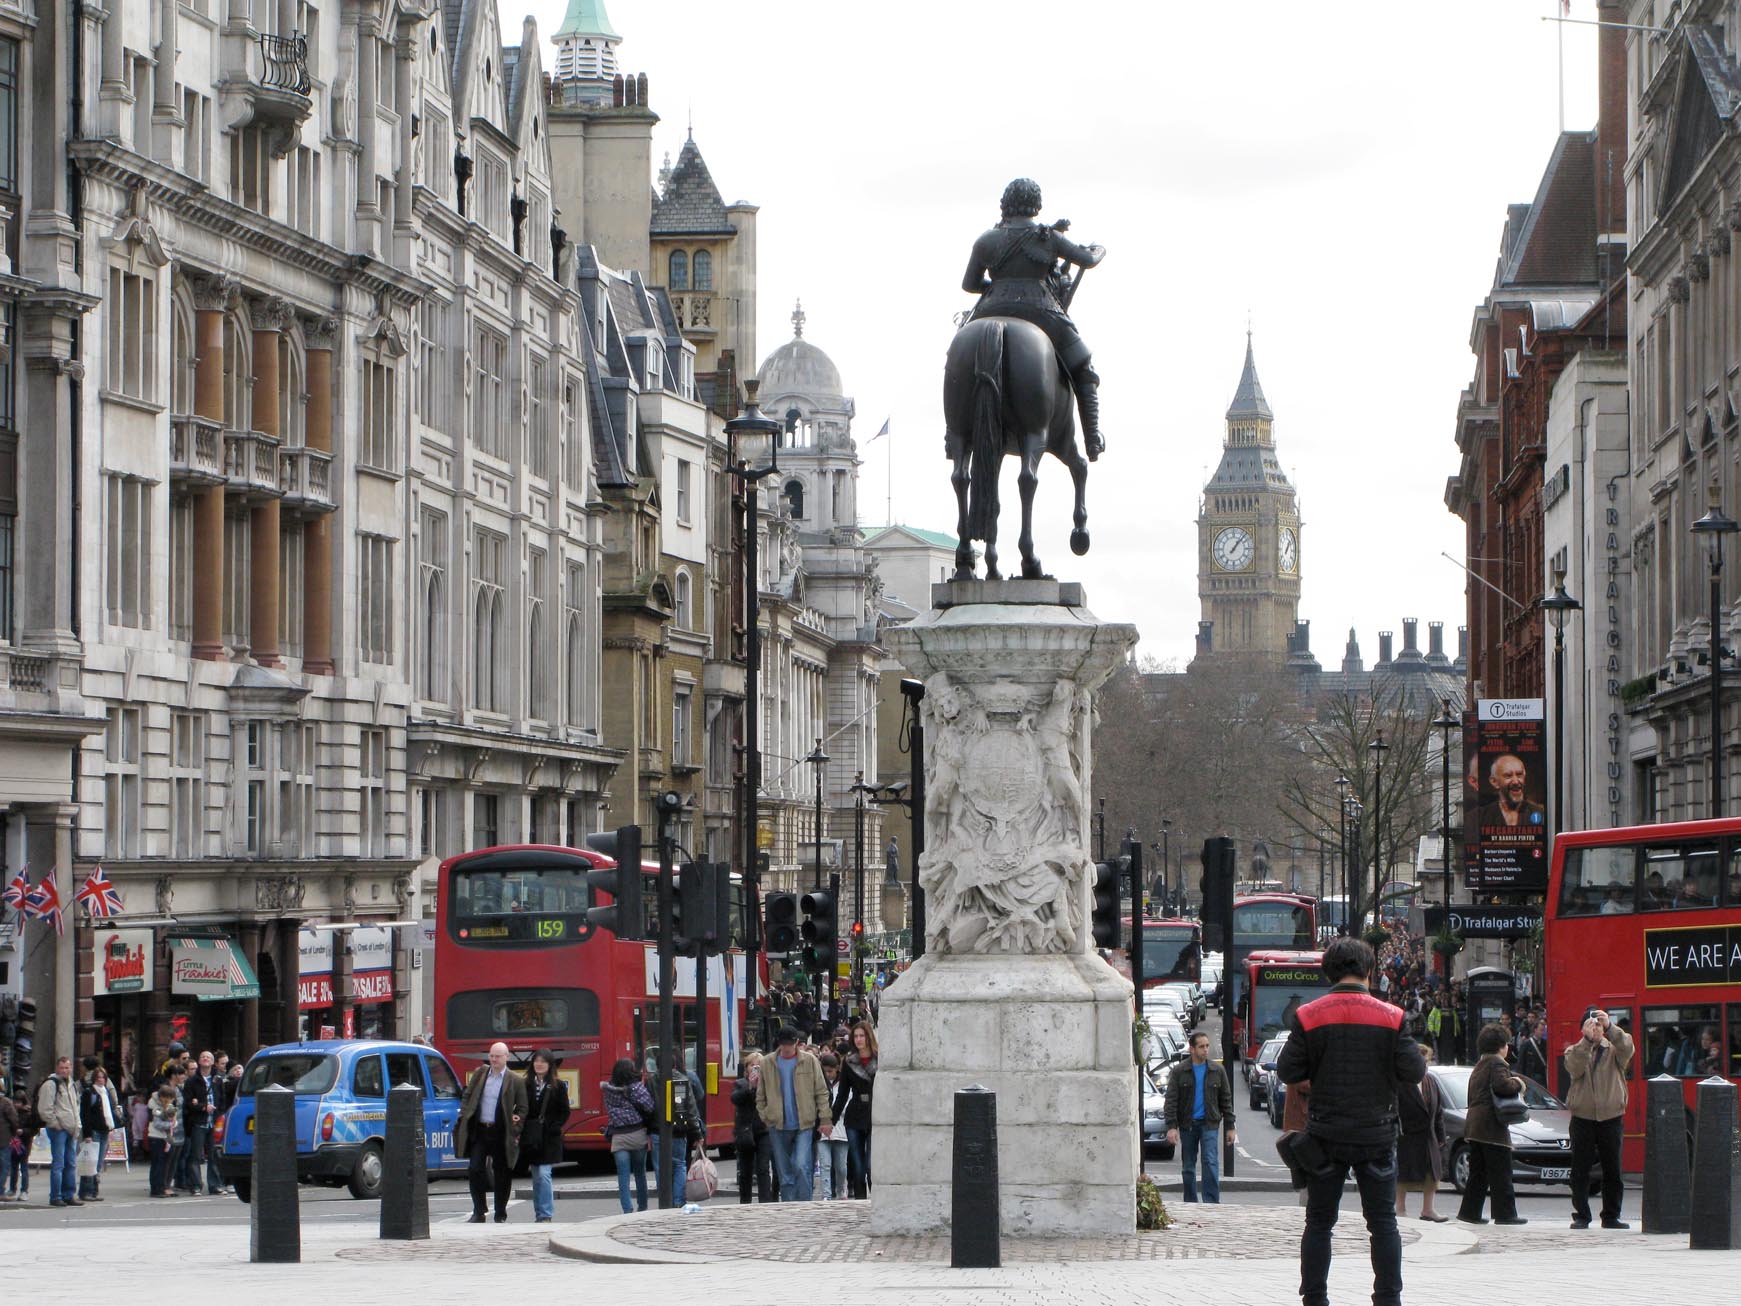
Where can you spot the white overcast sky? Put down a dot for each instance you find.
(1340, 172)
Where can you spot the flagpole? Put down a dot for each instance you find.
(889, 499)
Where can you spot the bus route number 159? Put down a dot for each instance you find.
(550, 929)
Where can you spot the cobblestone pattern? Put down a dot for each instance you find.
(1608, 1242)
(836, 1232)
(497, 1248)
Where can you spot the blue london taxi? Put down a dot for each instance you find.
(341, 1088)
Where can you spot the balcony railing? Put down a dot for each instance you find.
(193, 449)
(284, 63)
(305, 476)
(251, 463)
(693, 311)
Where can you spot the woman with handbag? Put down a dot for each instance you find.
(860, 1073)
(1420, 1152)
(541, 1135)
(630, 1114)
(1493, 1098)
(99, 1112)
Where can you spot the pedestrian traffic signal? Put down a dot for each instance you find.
(689, 908)
(820, 929)
(1104, 911)
(626, 917)
(780, 923)
(1218, 859)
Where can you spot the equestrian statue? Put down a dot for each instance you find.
(1011, 371)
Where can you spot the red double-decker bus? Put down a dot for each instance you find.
(1270, 921)
(1278, 982)
(517, 962)
(1645, 922)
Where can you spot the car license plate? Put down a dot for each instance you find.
(1556, 1173)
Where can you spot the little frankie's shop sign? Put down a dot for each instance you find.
(121, 962)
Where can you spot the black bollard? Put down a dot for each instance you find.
(275, 1213)
(1716, 1221)
(973, 1204)
(1667, 1202)
(405, 1172)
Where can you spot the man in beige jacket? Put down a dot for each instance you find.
(1598, 1062)
(792, 1099)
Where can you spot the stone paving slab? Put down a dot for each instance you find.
(839, 1233)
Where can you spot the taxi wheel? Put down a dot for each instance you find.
(366, 1178)
(244, 1188)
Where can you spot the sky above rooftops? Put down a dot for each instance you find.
(1338, 177)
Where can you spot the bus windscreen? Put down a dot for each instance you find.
(1279, 992)
(1273, 924)
(1171, 952)
(503, 900)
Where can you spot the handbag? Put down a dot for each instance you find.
(703, 1180)
(87, 1159)
(1510, 1108)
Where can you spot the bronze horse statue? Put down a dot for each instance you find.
(1005, 392)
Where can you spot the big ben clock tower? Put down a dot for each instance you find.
(1248, 537)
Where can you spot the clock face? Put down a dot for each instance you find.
(1288, 552)
(1234, 549)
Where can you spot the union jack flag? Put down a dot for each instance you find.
(17, 890)
(43, 903)
(99, 895)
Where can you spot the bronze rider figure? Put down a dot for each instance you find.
(1020, 269)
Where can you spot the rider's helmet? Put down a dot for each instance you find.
(1021, 198)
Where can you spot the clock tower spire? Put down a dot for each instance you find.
(1248, 536)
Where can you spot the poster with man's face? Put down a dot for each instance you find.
(1510, 778)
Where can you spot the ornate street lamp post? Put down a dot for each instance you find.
(1716, 525)
(1559, 605)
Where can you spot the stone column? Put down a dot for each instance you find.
(46, 558)
(165, 107)
(319, 337)
(1010, 992)
(368, 110)
(248, 940)
(211, 299)
(404, 51)
(270, 318)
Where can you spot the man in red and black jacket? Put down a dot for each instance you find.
(1351, 1046)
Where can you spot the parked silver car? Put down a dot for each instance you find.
(1155, 1111)
(1263, 1072)
(1541, 1146)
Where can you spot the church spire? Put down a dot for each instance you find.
(1248, 400)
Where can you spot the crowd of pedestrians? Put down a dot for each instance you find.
(79, 1112)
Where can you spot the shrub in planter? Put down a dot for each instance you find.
(1151, 1212)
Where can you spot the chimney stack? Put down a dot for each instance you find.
(1436, 644)
(1351, 663)
(1385, 639)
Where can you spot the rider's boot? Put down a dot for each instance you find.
(1088, 404)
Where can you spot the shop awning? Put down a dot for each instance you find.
(211, 969)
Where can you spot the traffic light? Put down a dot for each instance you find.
(820, 930)
(626, 917)
(688, 909)
(857, 939)
(1104, 911)
(780, 923)
(1218, 858)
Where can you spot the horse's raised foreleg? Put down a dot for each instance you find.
(1026, 480)
(964, 546)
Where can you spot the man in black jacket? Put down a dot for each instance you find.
(1351, 1046)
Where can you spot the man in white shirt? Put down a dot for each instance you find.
(488, 1135)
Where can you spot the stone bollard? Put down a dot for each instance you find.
(1716, 1218)
(404, 1168)
(275, 1213)
(1667, 1202)
(974, 1242)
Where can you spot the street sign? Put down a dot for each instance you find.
(764, 835)
(841, 947)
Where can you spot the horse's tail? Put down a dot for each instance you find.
(986, 431)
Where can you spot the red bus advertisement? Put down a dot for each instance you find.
(1277, 983)
(1645, 922)
(516, 961)
(1286, 921)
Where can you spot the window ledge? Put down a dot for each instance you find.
(379, 473)
(129, 401)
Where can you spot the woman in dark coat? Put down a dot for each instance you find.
(541, 1136)
(1489, 1138)
(758, 1179)
(1420, 1153)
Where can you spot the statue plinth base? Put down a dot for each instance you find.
(1051, 1036)
(1010, 994)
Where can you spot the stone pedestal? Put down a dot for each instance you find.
(1010, 993)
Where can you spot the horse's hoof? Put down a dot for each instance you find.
(1079, 541)
(962, 573)
(992, 573)
(1033, 571)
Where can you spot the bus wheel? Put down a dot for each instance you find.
(366, 1176)
(1460, 1167)
(244, 1188)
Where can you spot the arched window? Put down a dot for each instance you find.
(484, 648)
(182, 358)
(292, 392)
(679, 271)
(576, 672)
(685, 612)
(703, 270)
(535, 663)
(431, 659)
(794, 495)
(238, 377)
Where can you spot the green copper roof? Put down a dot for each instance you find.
(587, 18)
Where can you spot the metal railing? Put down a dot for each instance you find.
(284, 61)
